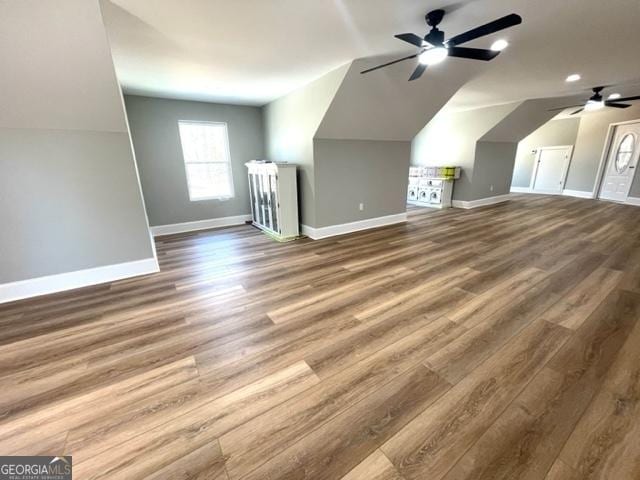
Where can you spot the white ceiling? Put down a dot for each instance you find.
(253, 51)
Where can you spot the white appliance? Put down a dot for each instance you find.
(435, 196)
(273, 195)
(432, 191)
(412, 193)
(423, 195)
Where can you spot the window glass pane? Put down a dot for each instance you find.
(205, 148)
(208, 180)
(625, 152)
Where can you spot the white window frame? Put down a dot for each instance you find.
(228, 155)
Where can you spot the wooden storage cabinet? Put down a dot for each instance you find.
(274, 198)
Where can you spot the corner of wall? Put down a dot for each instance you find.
(72, 149)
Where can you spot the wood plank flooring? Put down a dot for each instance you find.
(496, 343)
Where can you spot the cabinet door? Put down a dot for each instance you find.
(264, 203)
(253, 197)
(270, 205)
(275, 221)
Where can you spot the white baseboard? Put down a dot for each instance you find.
(199, 225)
(34, 287)
(565, 192)
(633, 201)
(333, 230)
(482, 201)
(577, 193)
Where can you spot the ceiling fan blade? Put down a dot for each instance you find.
(417, 73)
(577, 111)
(564, 108)
(487, 29)
(389, 63)
(628, 99)
(617, 105)
(473, 53)
(411, 38)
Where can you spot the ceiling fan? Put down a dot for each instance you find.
(433, 48)
(596, 102)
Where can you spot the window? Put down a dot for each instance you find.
(205, 149)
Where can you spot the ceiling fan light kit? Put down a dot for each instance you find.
(433, 48)
(592, 105)
(597, 102)
(433, 56)
(499, 45)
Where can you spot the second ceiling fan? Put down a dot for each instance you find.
(597, 101)
(433, 48)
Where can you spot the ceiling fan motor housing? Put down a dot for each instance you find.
(597, 96)
(434, 17)
(435, 37)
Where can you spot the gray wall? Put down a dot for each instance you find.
(290, 124)
(154, 131)
(350, 172)
(69, 192)
(450, 139)
(590, 141)
(552, 133)
(588, 134)
(493, 169)
(482, 141)
(350, 135)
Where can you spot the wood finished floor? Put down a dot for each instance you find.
(496, 343)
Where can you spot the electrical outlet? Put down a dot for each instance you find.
(361, 207)
(491, 188)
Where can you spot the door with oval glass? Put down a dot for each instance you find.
(622, 162)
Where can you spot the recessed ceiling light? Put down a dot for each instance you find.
(574, 77)
(433, 56)
(614, 96)
(499, 45)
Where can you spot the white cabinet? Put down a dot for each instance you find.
(274, 198)
(431, 186)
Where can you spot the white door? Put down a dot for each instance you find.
(550, 169)
(622, 162)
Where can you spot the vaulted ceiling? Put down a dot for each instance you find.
(254, 51)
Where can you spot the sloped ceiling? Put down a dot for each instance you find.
(67, 85)
(254, 51)
(383, 105)
(524, 119)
